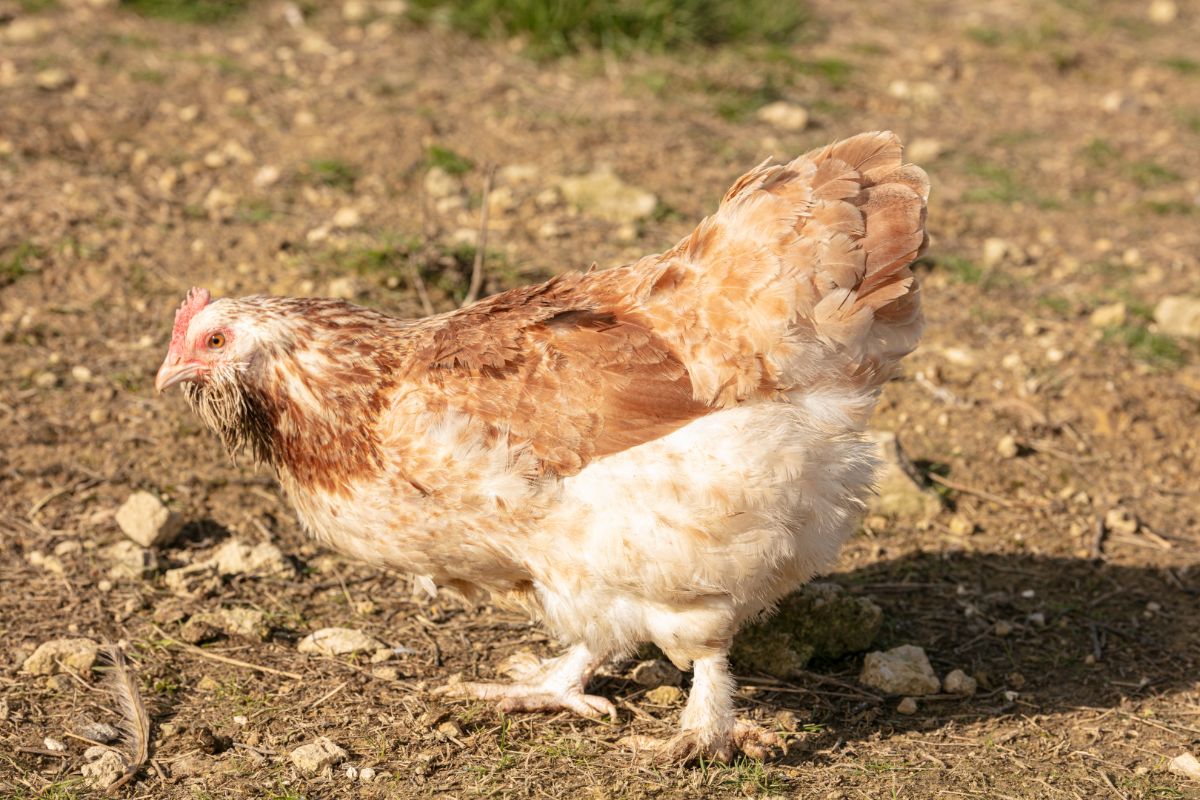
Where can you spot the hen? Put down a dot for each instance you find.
(656, 452)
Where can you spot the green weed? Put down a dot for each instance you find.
(333, 172)
(559, 27)
(448, 160)
(192, 11)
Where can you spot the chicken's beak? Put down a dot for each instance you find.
(173, 371)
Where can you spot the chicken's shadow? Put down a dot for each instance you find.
(1042, 635)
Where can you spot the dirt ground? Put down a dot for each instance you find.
(139, 157)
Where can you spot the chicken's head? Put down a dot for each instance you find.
(203, 342)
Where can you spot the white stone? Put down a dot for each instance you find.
(604, 195)
(51, 657)
(53, 79)
(1162, 12)
(784, 115)
(923, 150)
(145, 520)
(899, 493)
(1185, 764)
(1179, 316)
(901, 670)
(1121, 520)
(355, 10)
(338, 641)
(366, 775)
(266, 177)
(130, 561)
(1108, 316)
(1007, 447)
(345, 287)
(907, 706)
(104, 771)
(235, 557)
(959, 682)
(438, 184)
(995, 250)
(347, 218)
(317, 756)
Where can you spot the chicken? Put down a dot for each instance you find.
(656, 452)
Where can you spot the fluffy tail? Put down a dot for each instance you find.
(804, 269)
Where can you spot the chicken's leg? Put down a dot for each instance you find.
(556, 684)
(708, 726)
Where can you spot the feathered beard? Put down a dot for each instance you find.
(235, 413)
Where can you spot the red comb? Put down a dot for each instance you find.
(196, 299)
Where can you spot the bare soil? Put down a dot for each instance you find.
(1068, 131)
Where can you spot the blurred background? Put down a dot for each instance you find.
(348, 149)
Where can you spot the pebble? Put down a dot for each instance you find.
(605, 195)
(130, 561)
(907, 706)
(1185, 764)
(1109, 316)
(45, 380)
(1121, 520)
(664, 695)
(784, 115)
(104, 771)
(317, 756)
(923, 150)
(440, 184)
(1037, 619)
(1002, 628)
(98, 731)
(899, 493)
(235, 557)
(902, 670)
(995, 250)
(1007, 447)
(344, 287)
(1162, 12)
(338, 641)
(366, 775)
(1178, 315)
(50, 657)
(355, 11)
(656, 673)
(347, 218)
(81, 374)
(53, 79)
(517, 174)
(145, 520)
(54, 745)
(266, 176)
(961, 526)
(959, 682)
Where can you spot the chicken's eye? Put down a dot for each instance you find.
(216, 341)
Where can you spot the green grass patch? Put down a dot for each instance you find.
(989, 37)
(18, 262)
(958, 268)
(255, 211)
(997, 184)
(332, 172)
(1166, 208)
(34, 6)
(448, 160)
(1182, 65)
(155, 76)
(1059, 305)
(559, 27)
(1150, 175)
(192, 11)
(1149, 348)
(1100, 153)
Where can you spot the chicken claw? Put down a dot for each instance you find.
(555, 684)
(746, 738)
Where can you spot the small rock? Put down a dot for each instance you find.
(656, 673)
(901, 670)
(266, 177)
(45, 380)
(235, 557)
(516, 174)
(907, 706)
(337, 642)
(49, 563)
(784, 115)
(69, 547)
(959, 682)
(53, 79)
(50, 657)
(355, 11)
(318, 756)
(344, 287)
(1186, 765)
(197, 630)
(381, 655)
(352, 772)
(366, 775)
(1007, 447)
(24, 30)
(548, 199)
(603, 194)
(1037, 619)
(664, 695)
(97, 731)
(1109, 316)
(900, 493)
(104, 771)
(386, 673)
(248, 622)
(347, 218)
(995, 250)
(194, 580)
(207, 683)
(1121, 520)
(961, 526)
(1162, 12)
(145, 520)
(923, 150)
(237, 96)
(439, 184)
(130, 561)
(54, 745)
(1002, 628)
(1179, 316)
(81, 374)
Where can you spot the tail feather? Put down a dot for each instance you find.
(803, 271)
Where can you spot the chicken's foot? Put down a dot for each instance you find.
(556, 684)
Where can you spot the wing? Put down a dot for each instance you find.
(565, 368)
